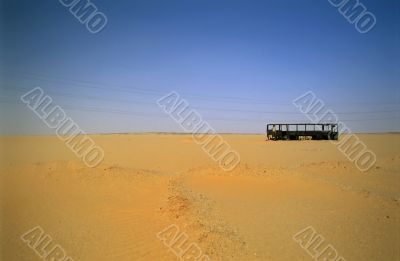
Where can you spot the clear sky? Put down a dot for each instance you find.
(239, 63)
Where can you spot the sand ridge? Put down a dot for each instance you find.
(148, 182)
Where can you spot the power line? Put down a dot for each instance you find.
(152, 92)
(68, 95)
(141, 114)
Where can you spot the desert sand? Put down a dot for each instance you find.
(148, 182)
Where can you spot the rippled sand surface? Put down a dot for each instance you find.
(148, 182)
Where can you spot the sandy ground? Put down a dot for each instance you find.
(148, 182)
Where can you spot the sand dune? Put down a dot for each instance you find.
(149, 182)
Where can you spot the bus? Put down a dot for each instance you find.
(302, 131)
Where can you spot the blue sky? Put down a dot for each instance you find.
(226, 58)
